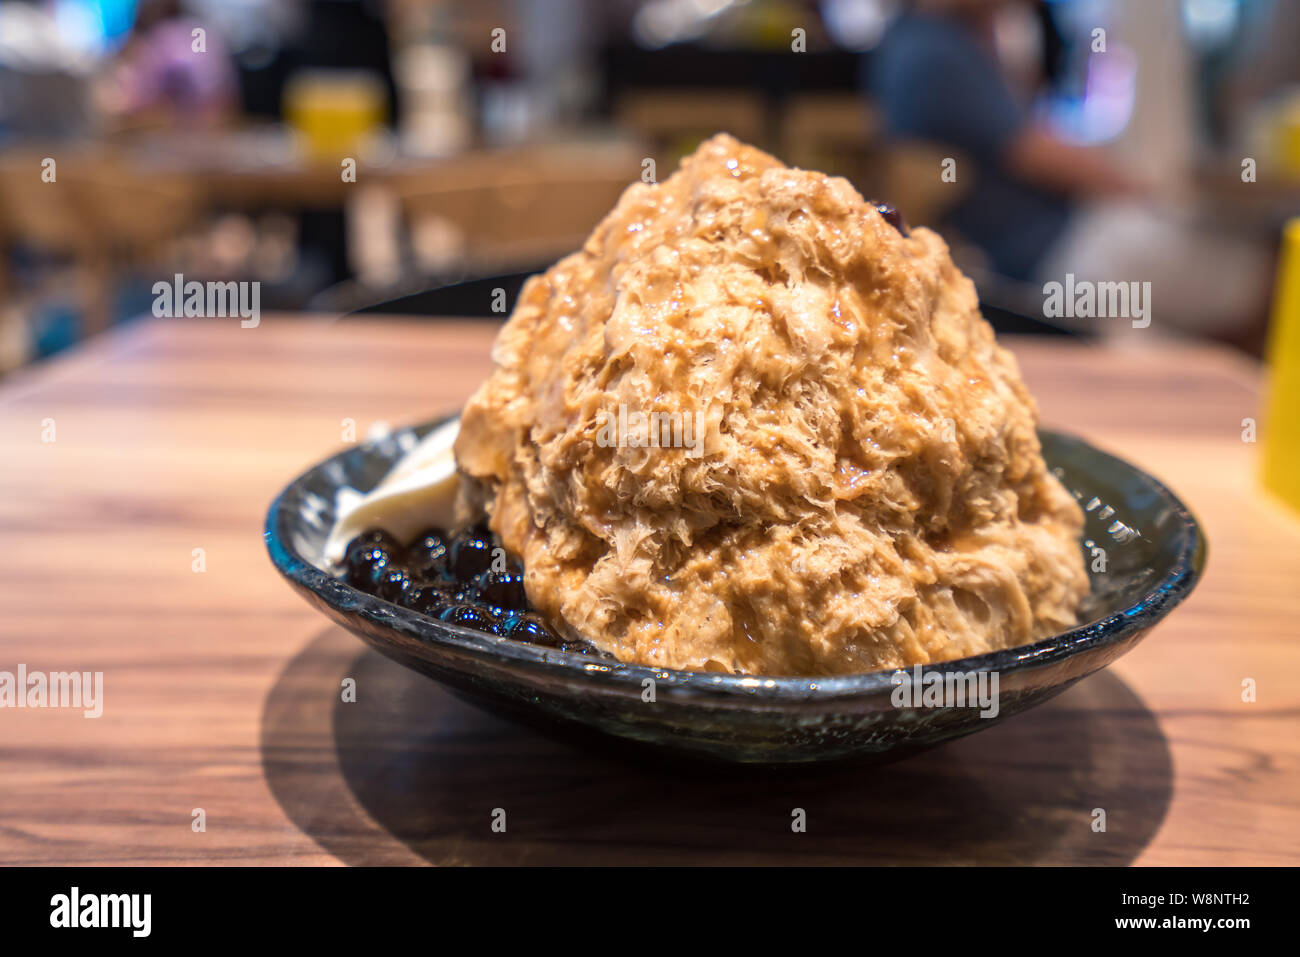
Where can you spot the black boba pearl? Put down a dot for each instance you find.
(394, 584)
(429, 599)
(467, 594)
(470, 553)
(375, 536)
(471, 616)
(892, 216)
(366, 566)
(426, 556)
(530, 628)
(503, 589)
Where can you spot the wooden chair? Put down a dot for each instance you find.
(98, 213)
(911, 179)
(675, 122)
(519, 206)
(834, 133)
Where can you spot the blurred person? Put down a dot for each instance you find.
(1040, 207)
(159, 75)
(348, 35)
(340, 35)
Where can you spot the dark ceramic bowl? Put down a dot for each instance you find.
(1152, 554)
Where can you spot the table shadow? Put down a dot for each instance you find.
(408, 773)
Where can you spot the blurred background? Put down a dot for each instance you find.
(408, 155)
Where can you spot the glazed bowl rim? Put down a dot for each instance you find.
(1113, 628)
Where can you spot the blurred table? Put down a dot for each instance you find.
(125, 203)
(222, 687)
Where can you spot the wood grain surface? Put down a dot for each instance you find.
(221, 687)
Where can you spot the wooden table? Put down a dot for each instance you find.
(222, 687)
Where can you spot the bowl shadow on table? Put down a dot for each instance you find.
(409, 772)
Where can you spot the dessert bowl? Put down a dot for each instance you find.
(1144, 552)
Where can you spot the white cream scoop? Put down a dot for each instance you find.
(419, 491)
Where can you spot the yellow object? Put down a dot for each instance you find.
(1286, 137)
(334, 110)
(1281, 439)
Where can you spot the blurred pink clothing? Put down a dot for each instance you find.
(163, 69)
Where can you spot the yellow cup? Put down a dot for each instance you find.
(334, 110)
(1280, 459)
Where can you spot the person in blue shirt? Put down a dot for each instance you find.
(1046, 211)
(937, 79)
